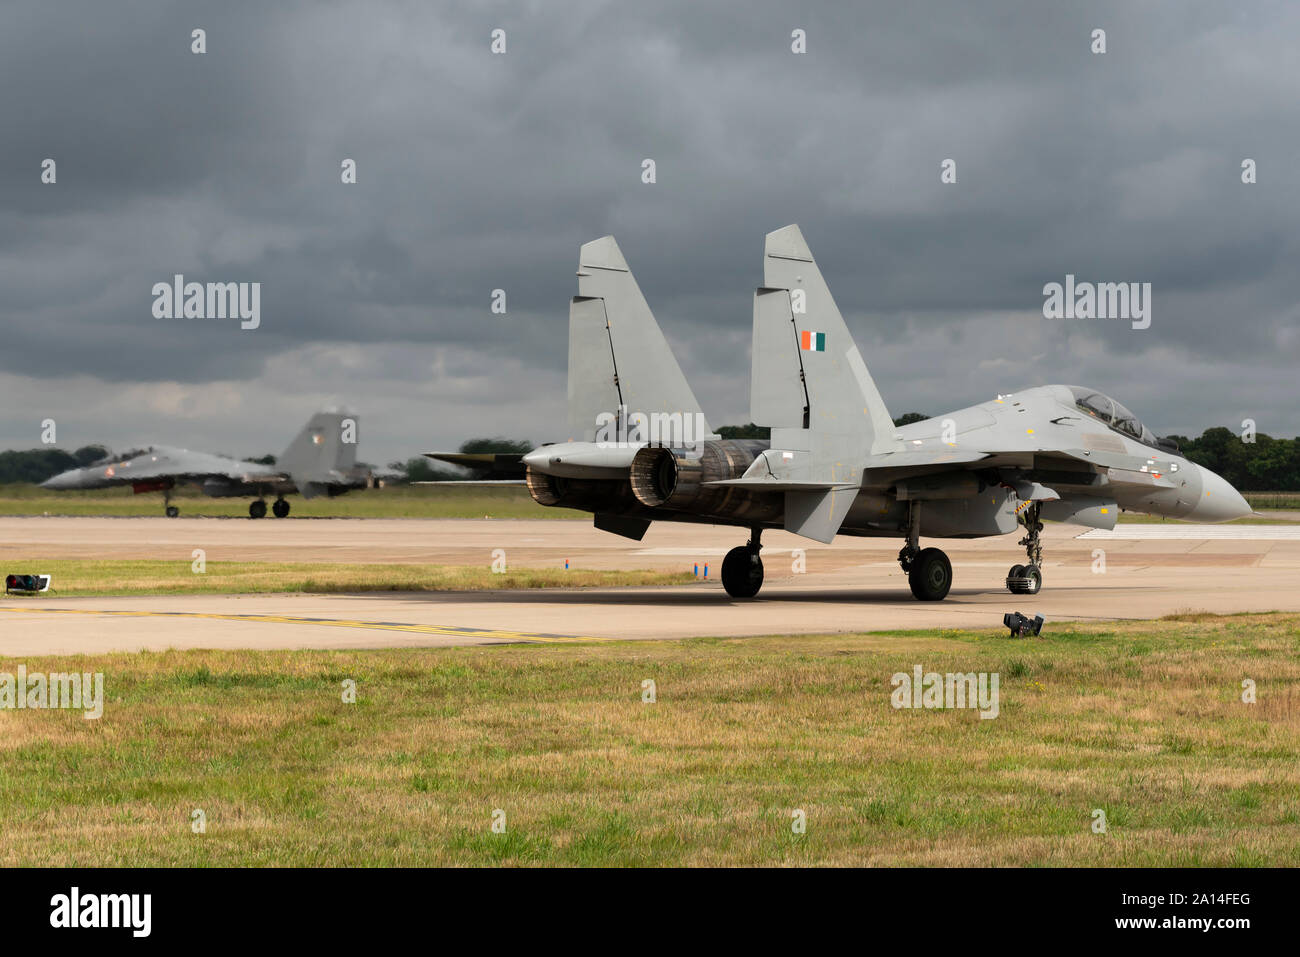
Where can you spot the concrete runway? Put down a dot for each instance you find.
(851, 585)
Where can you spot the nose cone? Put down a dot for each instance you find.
(64, 480)
(1220, 502)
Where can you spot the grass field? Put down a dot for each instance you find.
(395, 501)
(1142, 720)
(75, 577)
(1267, 500)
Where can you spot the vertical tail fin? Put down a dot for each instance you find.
(808, 382)
(320, 454)
(807, 372)
(620, 364)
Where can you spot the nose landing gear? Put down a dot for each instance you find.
(1028, 579)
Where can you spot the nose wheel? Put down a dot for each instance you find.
(1024, 579)
(1028, 579)
(742, 569)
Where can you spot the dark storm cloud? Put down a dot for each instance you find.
(479, 172)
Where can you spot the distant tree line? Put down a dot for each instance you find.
(1267, 464)
(36, 465)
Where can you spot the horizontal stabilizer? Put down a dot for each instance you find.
(818, 514)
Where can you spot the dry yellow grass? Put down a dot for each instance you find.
(73, 577)
(1143, 720)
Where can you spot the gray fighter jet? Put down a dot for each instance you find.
(321, 460)
(641, 450)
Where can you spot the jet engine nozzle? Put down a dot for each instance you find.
(677, 478)
(660, 475)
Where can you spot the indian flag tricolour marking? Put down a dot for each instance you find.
(812, 341)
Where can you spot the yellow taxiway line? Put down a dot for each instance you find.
(452, 631)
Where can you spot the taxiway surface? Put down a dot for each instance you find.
(1137, 571)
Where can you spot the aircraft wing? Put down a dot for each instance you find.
(171, 465)
(903, 459)
(196, 466)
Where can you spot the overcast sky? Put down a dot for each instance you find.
(479, 171)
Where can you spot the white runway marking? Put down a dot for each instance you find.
(1225, 533)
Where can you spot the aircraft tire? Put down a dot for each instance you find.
(742, 572)
(172, 511)
(930, 576)
(1035, 577)
(280, 509)
(257, 509)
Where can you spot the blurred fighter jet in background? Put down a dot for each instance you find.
(321, 460)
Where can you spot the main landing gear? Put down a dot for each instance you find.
(929, 573)
(1028, 579)
(742, 569)
(279, 508)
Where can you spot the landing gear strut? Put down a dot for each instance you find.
(257, 509)
(280, 509)
(1028, 579)
(929, 573)
(742, 569)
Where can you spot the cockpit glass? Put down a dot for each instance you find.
(1101, 406)
(123, 456)
(1094, 403)
(1127, 422)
